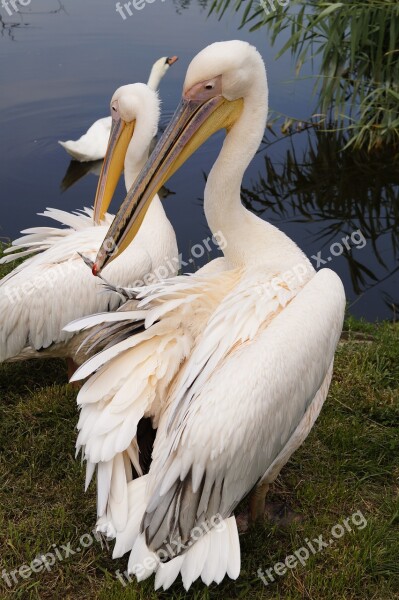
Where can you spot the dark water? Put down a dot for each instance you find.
(60, 64)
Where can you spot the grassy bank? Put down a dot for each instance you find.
(348, 464)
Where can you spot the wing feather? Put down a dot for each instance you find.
(238, 424)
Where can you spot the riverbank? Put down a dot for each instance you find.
(348, 465)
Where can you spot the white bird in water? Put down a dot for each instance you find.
(93, 144)
(233, 364)
(52, 287)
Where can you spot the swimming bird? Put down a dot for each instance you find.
(232, 364)
(45, 292)
(93, 144)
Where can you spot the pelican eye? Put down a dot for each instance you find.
(209, 86)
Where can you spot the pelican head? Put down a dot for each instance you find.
(159, 70)
(135, 114)
(219, 80)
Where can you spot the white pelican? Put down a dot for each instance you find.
(93, 144)
(45, 292)
(234, 362)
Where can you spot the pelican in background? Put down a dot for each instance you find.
(93, 144)
(234, 362)
(45, 292)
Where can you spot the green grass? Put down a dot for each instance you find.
(349, 463)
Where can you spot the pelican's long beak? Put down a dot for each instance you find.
(192, 124)
(119, 140)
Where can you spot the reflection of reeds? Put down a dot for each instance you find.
(344, 191)
(184, 4)
(357, 46)
(8, 27)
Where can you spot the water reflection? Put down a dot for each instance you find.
(8, 28)
(16, 21)
(184, 4)
(58, 8)
(77, 170)
(352, 48)
(50, 93)
(337, 191)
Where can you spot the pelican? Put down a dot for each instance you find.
(93, 144)
(232, 364)
(49, 289)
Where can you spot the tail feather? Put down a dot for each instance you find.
(142, 561)
(114, 478)
(167, 573)
(104, 525)
(73, 150)
(234, 559)
(126, 537)
(212, 557)
(192, 569)
(90, 468)
(210, 571)
(104, 474)
(118, 497)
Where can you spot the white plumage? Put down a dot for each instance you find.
(233, 364)
(93, 144)
(54, 286)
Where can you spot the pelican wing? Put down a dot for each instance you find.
(132, 375)
(243, 416)
(148, 340)
(251, 305)
(38, 239)
(54, 287)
